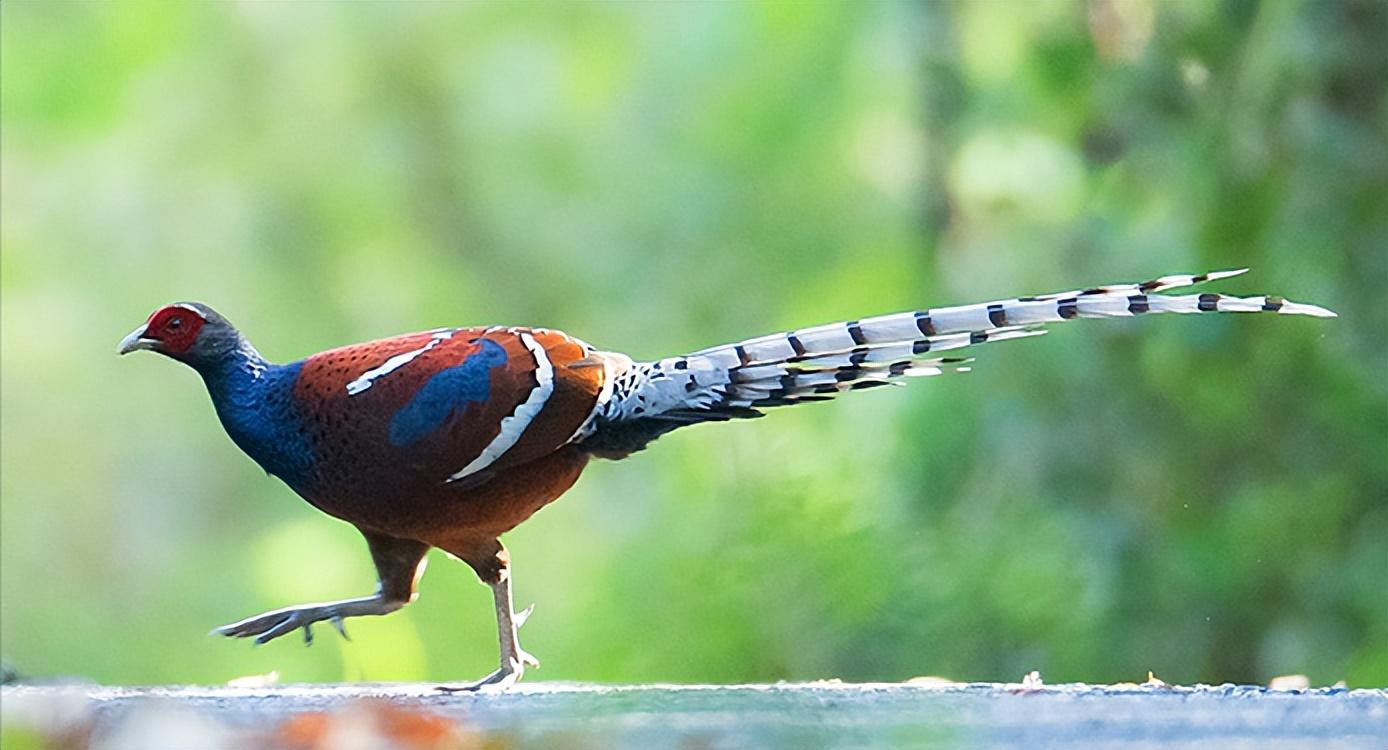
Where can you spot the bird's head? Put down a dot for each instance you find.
(189, 332)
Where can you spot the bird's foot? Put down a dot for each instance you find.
(511, 670)
(504, 677)
(271, 625)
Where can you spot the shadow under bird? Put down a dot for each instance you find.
(449, 438)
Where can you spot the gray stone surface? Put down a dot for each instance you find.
(816, 715)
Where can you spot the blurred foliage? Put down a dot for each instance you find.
(1206, 498)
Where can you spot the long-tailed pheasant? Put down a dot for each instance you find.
(451, 437)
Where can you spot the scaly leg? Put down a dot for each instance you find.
(399, 564)
(513, 659)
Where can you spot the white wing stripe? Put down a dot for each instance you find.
(513, 425)
(613, 366)
(365, 380)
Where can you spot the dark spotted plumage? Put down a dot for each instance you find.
(449, 438)
(404, 433)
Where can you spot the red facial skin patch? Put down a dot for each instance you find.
(175, 327)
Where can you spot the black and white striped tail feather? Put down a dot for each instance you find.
(815, 363)
(986, 317)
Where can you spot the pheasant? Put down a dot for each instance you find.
(451, 437)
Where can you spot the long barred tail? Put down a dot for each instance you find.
(812, 364)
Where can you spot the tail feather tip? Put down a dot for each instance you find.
(1315, 311)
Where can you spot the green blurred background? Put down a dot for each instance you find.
(1204, 498)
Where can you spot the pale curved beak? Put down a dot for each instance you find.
(135, 341)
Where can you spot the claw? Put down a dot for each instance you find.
(308, 634)
(523, 615)
(341, 626)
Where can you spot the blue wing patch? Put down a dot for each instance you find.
(446, 392)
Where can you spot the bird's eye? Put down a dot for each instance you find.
(176, 324)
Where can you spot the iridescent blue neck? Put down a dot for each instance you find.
(232, 373)
(255, 402)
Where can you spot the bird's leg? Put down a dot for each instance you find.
(508, 622)
(399, 564)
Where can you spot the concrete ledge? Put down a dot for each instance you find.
(813, 715)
